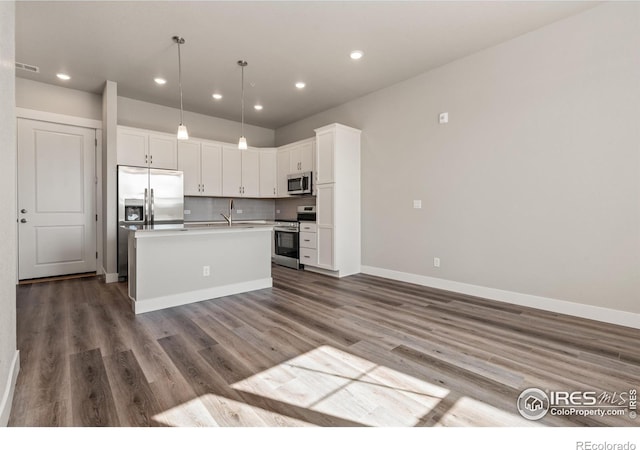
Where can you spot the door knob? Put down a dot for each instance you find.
(23, 211)
(23, 220)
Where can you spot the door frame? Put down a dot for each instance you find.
(63, 119)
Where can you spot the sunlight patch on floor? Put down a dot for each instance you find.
(339, 384)
(197, 413)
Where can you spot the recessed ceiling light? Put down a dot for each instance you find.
(357, 54)
(217, 96)
(160, 80)
(63, 76)
(258, 107)
(300, 84)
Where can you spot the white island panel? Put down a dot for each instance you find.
(167, 268)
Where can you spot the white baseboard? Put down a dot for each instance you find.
(7, 397)
(331, 273)
(614, 316)
(169, 301)
(110, 277)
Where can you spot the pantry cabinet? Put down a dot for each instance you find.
(338, 200)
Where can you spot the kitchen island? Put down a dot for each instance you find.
(172, 265)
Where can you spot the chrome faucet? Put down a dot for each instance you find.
(228, 218)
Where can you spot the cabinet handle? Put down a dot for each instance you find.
(307, 240)
(146, 159)
(151, 159)
(203, 188)
(307, 256)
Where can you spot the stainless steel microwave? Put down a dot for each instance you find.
(299, 183)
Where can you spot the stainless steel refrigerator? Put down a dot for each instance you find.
(146, 197)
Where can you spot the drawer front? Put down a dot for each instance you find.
(308, 227)
(308, 240)
(309, 256)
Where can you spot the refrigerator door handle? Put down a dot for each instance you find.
(152, 209)
(146, 206)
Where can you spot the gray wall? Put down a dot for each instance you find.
(7, 197)
(534, 184)
(56, 99)
(136, 113)
(287, 208)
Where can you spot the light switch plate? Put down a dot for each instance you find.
(187, 212)
(443, 117)
(417, 204)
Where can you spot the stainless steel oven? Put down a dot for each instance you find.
(286, 244)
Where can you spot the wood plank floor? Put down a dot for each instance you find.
(311, 351)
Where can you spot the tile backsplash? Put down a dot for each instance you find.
(208, 209)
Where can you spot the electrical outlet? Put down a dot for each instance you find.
(436, 262)
(277, 211)
(187, 212)
(206, 271)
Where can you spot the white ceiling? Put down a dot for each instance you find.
(284, 42)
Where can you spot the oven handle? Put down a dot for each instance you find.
(286, 229)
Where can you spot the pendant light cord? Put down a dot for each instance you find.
(242, 103)
(180, 81)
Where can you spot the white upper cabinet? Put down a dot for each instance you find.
(284, 158)
(301, 157)
(201, 163)
(294, 158)
(189, 163)
(232, 174)
(211, 169)
(268, 163)
(163, 151)
(241, 175)
(325, 155)
(132, 147)
(250, 173)
(146, 149)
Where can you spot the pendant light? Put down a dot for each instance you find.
(242, 143)
(183, 134)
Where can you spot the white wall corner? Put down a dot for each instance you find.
(9, 389)
(613, 316)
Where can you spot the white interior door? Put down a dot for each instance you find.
(56, 199)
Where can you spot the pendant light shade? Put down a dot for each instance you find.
(183, 134)
(242, 143)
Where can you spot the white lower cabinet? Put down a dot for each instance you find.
(308, 243)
